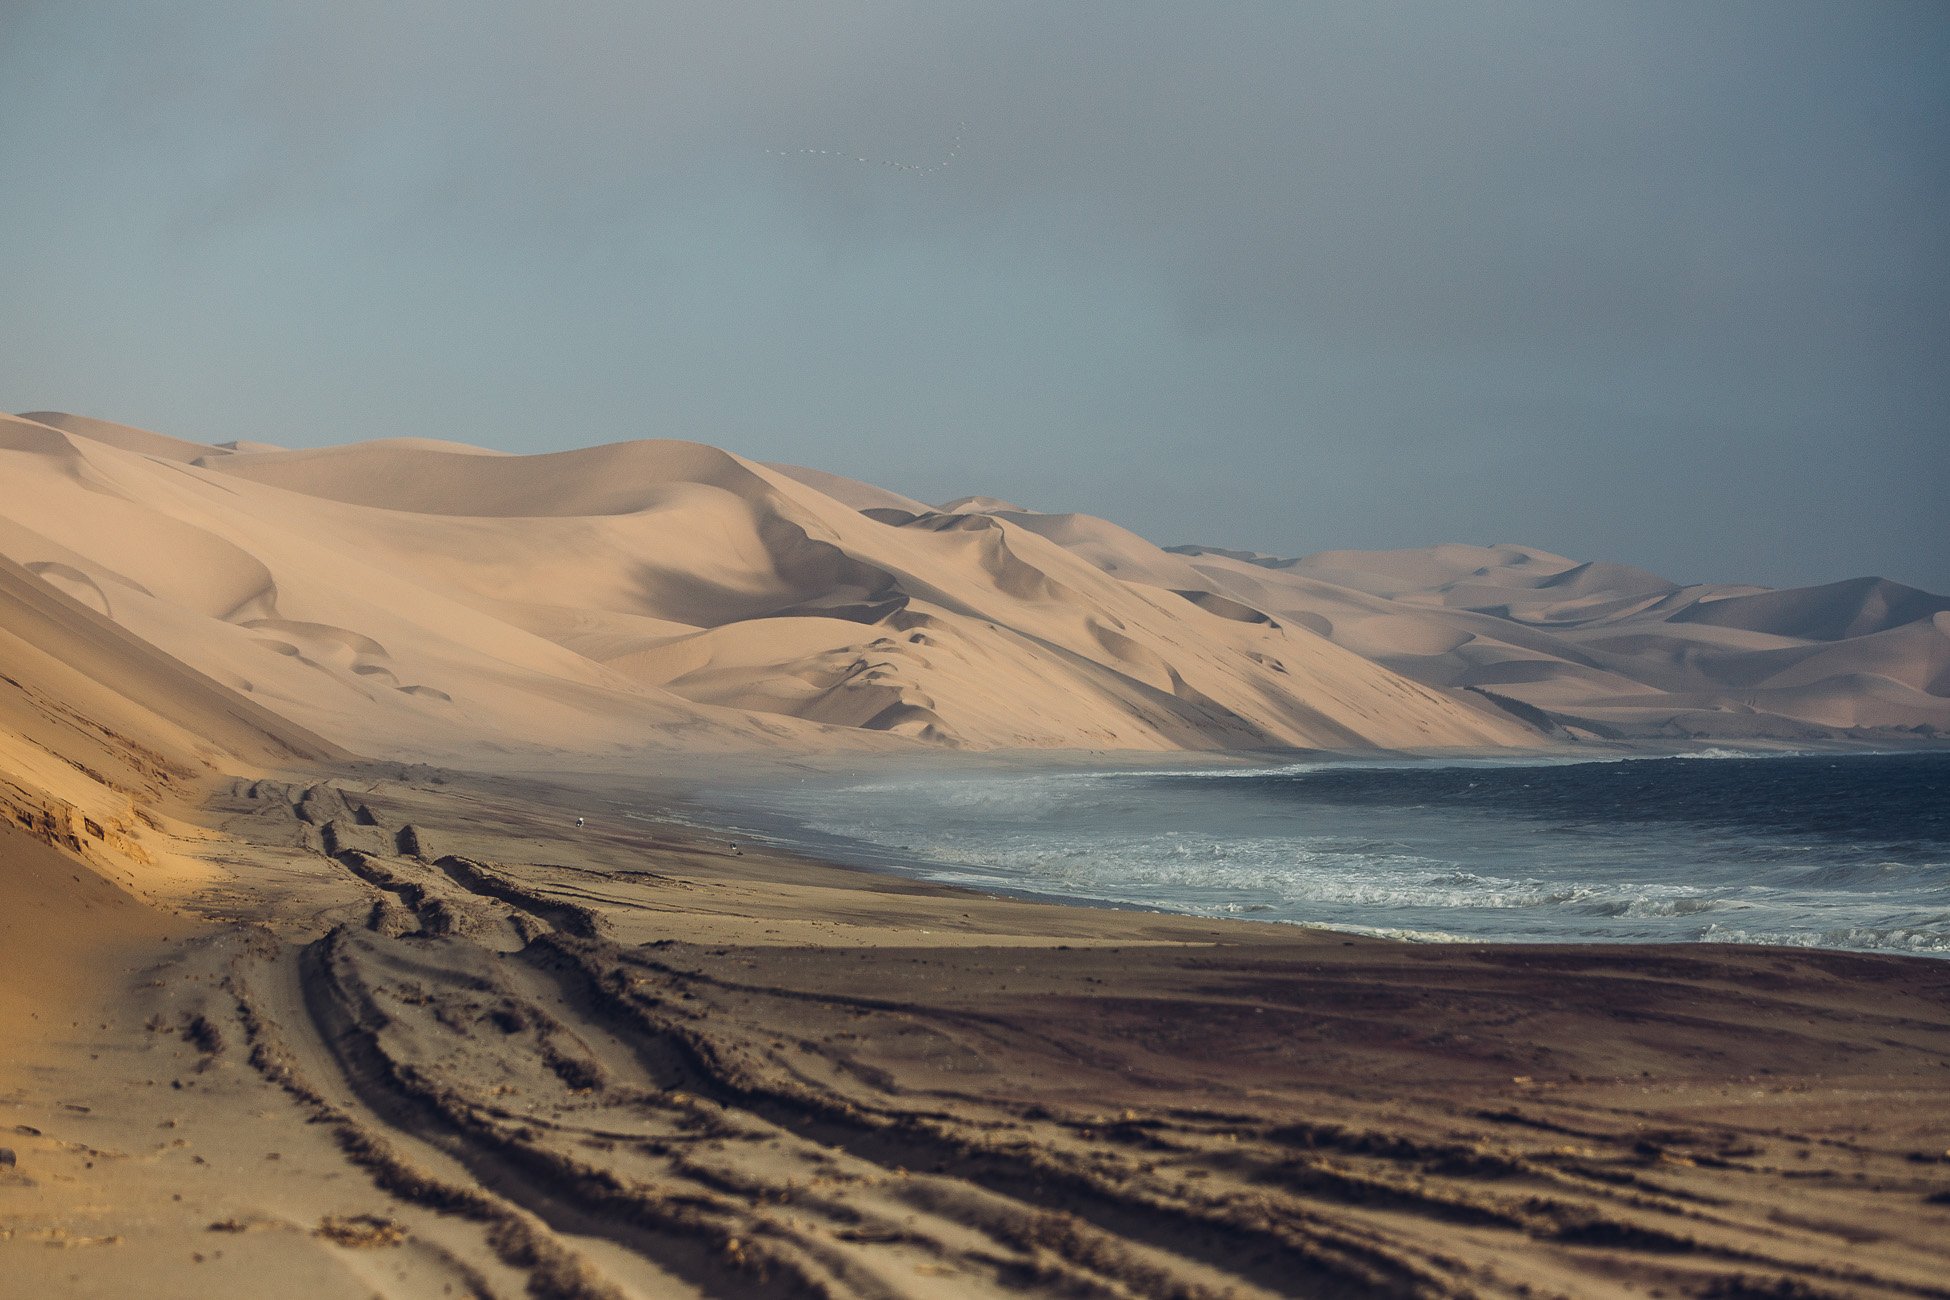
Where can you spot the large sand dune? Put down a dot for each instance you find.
(1598, 650)
(413, 598)
(417, 598)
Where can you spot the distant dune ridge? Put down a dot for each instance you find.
(1610, 651)
(413, 598)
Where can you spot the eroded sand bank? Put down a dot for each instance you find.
(415, 1034)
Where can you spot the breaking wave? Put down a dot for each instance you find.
(1835, 851)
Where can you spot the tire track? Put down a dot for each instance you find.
(611, 1095)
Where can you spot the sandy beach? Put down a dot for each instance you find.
(415, 1034)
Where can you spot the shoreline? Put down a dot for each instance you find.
(419, 1038)
(775, 810)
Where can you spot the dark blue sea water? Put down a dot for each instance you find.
(1843, 851)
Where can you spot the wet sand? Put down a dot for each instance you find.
(425, 1037)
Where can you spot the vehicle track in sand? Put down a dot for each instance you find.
(645, 1120)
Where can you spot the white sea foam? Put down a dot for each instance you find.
(1397, 858)
(1926, 938)
(1396, 932)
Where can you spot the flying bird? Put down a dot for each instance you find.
(847, 155)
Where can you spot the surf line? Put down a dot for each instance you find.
(847, 155)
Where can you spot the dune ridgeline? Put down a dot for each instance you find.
(413, 599)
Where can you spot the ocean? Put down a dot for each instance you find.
(1829, 850)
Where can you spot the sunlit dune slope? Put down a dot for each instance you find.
(98, 727)
(414, 598)
(103, 739)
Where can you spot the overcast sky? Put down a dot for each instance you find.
(1666, 284)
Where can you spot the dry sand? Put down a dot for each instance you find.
(423, 1038)
(282, 1020)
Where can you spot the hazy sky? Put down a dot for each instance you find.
(1660, 283)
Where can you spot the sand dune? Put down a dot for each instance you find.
(413, 599)
(124, 436)
(1597, 650)
(422, 599)
(105, 745)
(96, 723)
(1838, 611)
